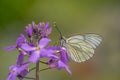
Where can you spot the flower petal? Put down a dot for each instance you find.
(20, 59)
(43, 42)
(20, 39)
(47, 54)
(9, 48)
(64, 56)
(27, 47)
(24, 73)
(9, 76)
(14, 76)
(62, 65)
(34, 57)
(12, 67)
(54, 47)
(21, 68)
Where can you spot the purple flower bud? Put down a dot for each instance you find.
(29, 30)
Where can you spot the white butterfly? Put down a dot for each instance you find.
(81, 47)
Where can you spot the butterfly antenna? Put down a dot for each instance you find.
(55, 25)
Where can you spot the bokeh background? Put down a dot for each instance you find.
(72, 17)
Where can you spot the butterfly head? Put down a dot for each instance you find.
(62, 41)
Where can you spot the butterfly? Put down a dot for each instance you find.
(80, 47)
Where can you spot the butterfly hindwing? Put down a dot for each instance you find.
(93, 39)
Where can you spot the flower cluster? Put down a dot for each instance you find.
(35, 47)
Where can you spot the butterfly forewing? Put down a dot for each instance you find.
(81, 48)
(80, 51)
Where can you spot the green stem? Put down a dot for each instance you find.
(32, 69)
(44, 69)
(44, 62)
(37, 71)
(29, 78)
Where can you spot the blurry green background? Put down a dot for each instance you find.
(72, 17)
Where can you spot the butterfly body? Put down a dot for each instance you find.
(81, 47)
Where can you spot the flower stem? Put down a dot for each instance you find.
(44, 62)
(29, 78)
(32, 69)
(44, 69)
(37, 71)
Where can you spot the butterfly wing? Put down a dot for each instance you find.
(81, 48)
(93, 39)
(80, 52)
